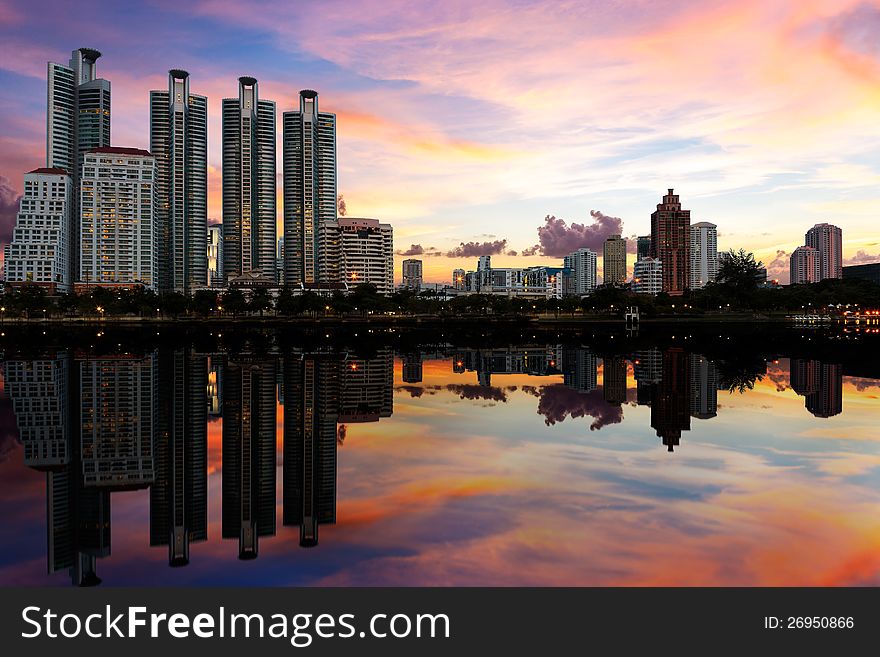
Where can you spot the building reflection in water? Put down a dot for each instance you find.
(98, 424)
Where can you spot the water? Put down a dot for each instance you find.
(718, 456)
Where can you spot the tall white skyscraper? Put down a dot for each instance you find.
(41, 245)
(828, 241)
(704, 254)
(248, 182)
(359, 251)
(309, 189)
(804, 266)
(118, 238)
(179, 142)
(582, 264)
(77, 120)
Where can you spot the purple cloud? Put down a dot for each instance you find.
(477, 249)
(862, 258)
(557, 239)
(558, 401)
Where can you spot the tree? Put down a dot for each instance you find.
(286, 303)
(738, 275)
(234, 301)
(30, 299)
(204, 302)
(260, 301)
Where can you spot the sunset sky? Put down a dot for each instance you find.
(462, 121)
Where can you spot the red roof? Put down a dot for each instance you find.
(119, 150)
(56, 170)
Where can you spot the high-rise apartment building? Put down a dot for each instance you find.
(804, 265)
(179, 142)
(582, 264)
(358, 251)
(671, 243)
(41, 245)
(458, 279)
(215, 255)
(648, 276)
(77, 120)
(704, 254)
(248, 182)
(412, 274)
(118, 237)
(309, 156)
(828, 241)
(614, 260)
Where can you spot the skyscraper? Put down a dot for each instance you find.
(77, 120)
(118, 241)
(458, 281)
(704, 254)
(583, 268)
(614, 260)
(248, 182)
(42, 245)
(309, 188)
(804, 265)
(215, 255)
(671, 242)
(828, 241)
(179, 142)
(671, 399)
(412, 274)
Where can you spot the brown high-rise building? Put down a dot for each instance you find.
(671, 242)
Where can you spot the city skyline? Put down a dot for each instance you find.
(736, 152)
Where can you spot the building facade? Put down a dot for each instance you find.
(804, 266)
(215, 255)
(309, 155)
(77, 120)
(179, 142)
(614, 260)
(412, 274)
(118, 239)
(704, 254)
(671, 243)
(648, 276)
(828, 241)
(41, 245)
(643, 246)
(358, 251)
(582, 264)
(458, 279)
(248, 182)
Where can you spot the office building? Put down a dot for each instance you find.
(41, 245)
(309, 155)
(804, 265)
(704, 388)
(828, 241)
(358, 251)
(412, 274)
(670, 399)
(704, 254)
(77, 120)
(118, 240)
(215, 255)
(179, 142)
(643, 246)
(869, 272)
(614, 260)
(582, 264)
(458, 279)
(671, 243)
(648, 276)
(248, 182)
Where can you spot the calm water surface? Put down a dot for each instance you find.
(667, 458)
